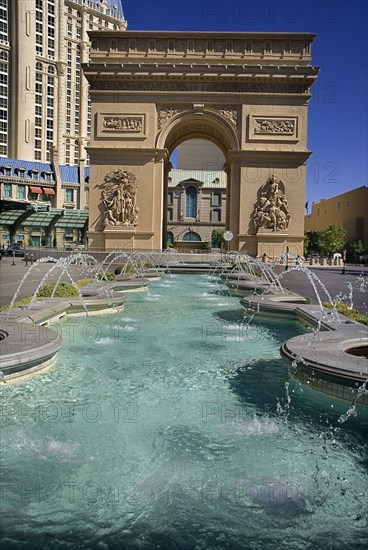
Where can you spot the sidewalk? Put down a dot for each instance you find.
(334, 281)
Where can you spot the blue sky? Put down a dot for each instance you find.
(337, 131)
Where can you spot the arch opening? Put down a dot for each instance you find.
(195, 196)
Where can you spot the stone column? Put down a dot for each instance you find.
(22, 83)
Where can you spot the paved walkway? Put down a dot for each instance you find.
(330, 276)
(334, 281)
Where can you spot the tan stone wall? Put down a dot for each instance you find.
(343, 210)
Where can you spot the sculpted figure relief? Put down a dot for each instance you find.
(274, 126)
(271, 210)
(122, 124)
(119, 198)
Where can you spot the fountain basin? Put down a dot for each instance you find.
(129, 285)
(329, 358)
(242, 286)
(277, 305)
(26, 347)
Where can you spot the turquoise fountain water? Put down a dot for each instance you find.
(175, 425)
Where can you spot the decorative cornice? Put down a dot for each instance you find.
(206, 70)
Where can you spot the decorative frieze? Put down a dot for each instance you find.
(273, 128)
(125, 123)
(199, 87)
(111, 125)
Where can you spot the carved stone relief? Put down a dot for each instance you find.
(122, 123)
(231, 114)
(271, 210)
(166, 113)
(274, 126)
(119, 199)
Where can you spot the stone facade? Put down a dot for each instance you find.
(246, 92)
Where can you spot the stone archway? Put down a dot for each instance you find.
(246, 92)
(196, 121)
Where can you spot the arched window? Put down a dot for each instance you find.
(191, 210)
(191, 236)
(170, 237)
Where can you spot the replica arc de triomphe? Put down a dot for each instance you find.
(246, 92)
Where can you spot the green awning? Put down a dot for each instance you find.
(9, 217)
(73, 218)
(40, 219)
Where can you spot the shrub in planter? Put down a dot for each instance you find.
(106, 277)
(63, 290)
(351, 313)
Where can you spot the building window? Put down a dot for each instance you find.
(69, 195)
(7, 190)
(7, 171)
(36, 240)
(35, 175)
(21, 191)
(338, 205)
(318, 211)
(191, 203)
(170, 199)
(169, 237)
(348, 204)
(216, 215)
(169, 214)
(191, 236)
(216, 199)
(21, 172)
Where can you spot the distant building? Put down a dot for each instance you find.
(30, 213)
(45, 116)
(196, 206)
(349, 210)
(44, 96)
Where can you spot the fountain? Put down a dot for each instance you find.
(176, 424)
